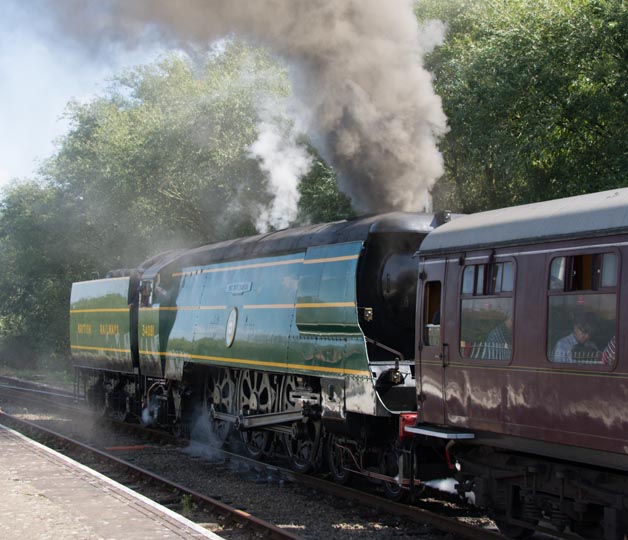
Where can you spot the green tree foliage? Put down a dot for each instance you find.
(161, 160)
(321, 201)
(40, 256)
(536, 96)
(535, 93)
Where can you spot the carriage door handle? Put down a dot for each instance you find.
(444, 355)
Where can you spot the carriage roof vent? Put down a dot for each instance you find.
(442, 217)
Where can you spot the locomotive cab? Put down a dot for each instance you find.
(386, 291)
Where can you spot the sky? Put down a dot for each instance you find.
(363, 91)
(39, 74)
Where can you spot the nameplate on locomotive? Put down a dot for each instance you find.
(239, 287)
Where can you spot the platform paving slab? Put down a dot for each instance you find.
(47, 496)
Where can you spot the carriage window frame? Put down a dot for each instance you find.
(584, 272)
(432, 310)
(575, 278)
(494, 280)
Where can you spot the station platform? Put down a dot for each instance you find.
(45, 495)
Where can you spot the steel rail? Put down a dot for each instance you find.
(406, 511)
(36, 391)
(412, 513)
(35, 386)
(42, 397)
(214, 505)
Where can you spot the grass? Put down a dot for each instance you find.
(188, 506)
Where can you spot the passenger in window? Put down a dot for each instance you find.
(498, 345)
(160, 294)
(145, 293)
(577, 346)
(608, 355)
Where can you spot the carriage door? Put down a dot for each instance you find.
(431, 341)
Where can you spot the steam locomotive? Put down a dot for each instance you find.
(400, 347)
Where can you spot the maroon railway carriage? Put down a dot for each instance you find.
(523, 360)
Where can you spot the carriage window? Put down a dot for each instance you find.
(431, 313)
(582, 305)
(487, 311)
(501, 278)
(479, 279)
(609, 270)
(468, 280)
(557, 274)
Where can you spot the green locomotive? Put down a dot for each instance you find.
(295, 340)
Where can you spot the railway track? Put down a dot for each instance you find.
(422, 517)
(42, 394)
(136, 476)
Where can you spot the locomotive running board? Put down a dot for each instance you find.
(244, 422)
(441, 433)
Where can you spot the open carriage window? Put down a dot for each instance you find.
(582, 306)
(431, 313)
(486, 319)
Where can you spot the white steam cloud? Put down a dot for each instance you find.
(357, 72)
(285, 163)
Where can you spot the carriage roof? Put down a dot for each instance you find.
(596, 214)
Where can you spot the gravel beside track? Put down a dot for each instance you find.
(258, 490)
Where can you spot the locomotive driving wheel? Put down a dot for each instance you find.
(338, 459)
(303, 443)
(391, 463)
(256, 395)
(220, 396)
